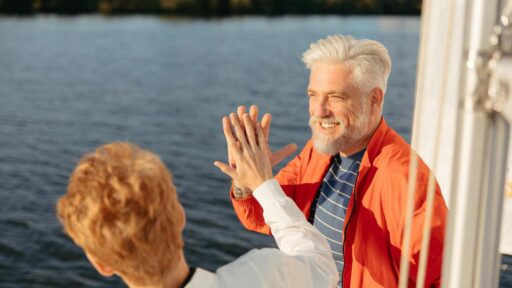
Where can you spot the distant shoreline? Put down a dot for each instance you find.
(198, 15)
(211, 8)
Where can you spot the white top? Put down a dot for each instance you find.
(303, 259)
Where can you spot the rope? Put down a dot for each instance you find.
(404, 263)
(413, 165)
(422, 269)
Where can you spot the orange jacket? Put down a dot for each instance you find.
(375, 220)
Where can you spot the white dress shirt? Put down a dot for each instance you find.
(303, 259)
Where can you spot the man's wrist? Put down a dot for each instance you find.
(240, 193)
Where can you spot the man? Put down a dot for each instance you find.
(122, 209)
(351, 178)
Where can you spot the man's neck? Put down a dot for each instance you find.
(362, 143)
(356, 148)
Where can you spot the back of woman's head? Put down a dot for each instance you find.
(122, 208)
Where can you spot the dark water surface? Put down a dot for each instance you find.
(68, 85)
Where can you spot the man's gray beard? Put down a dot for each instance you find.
(330, 147)
(342, 142)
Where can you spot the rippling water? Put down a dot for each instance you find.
(68, 85)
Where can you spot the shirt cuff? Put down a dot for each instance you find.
(268, 192)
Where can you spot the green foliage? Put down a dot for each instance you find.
(67, 6)
(208, 8)
(128, 6)
(16, 6)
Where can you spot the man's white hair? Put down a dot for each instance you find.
(369, 59)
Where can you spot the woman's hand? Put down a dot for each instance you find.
(249, 151)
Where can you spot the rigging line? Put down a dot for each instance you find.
(404, 261)
(422, 269)
(404, 267)
(413, 166)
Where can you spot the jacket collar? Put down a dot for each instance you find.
(372, 150)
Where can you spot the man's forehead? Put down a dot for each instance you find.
(329, 78)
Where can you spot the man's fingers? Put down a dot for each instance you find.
(226, 169)
(262, 141)
(253, 113)
(265, 124)
(249, 131)
(240, 111)
(283, 153)
(240, 134)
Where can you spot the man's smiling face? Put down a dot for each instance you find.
(337, 107)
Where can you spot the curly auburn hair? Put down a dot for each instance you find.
(121, 207)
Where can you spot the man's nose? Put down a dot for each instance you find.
(320, 109)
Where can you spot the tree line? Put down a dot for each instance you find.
(207, 8)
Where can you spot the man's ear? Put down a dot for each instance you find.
(376, 97)
(102, 269)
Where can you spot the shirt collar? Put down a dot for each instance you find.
(200, 279)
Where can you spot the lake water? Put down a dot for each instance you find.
(70, 84)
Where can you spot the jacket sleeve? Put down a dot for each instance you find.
(249, 211)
